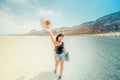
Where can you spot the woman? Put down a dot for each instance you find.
(59, 47)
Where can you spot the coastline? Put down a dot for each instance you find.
(110, 34)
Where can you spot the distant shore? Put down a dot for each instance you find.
(110, 34)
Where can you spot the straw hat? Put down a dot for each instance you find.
(45, 23)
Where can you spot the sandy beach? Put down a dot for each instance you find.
(32, 58)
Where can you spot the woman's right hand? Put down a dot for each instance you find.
(45, 23)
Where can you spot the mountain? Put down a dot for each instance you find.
(40, 33)
(108, 23)
(105, 24)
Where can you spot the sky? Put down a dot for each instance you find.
(22, 16)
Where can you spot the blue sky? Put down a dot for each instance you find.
(21, 16)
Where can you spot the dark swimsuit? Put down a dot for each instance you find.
(59, 49)
(60, 55)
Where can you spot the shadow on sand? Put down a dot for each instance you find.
(46, 76)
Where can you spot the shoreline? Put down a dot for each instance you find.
(110, 34)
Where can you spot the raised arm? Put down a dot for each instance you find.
(45, 23)
(52, 37)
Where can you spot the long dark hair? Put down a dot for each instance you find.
(59, 36)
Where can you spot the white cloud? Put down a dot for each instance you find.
(19, 1)
(9, 24)
(6, 8)
(6, 19)
(12, 23)
(53, 15)
(36, 3)
(48, 13)
(29, 6)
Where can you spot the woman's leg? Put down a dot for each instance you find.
(56, 64)
(61, 67)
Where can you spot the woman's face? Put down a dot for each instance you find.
(60, 38)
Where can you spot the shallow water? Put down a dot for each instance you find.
(32, 58)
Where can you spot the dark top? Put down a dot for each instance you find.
(59, 49)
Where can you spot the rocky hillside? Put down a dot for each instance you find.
(105, 24)
(108, 23)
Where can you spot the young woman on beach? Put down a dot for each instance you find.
(59, 46)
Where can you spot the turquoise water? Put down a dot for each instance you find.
(93, 58)
(31, 58)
